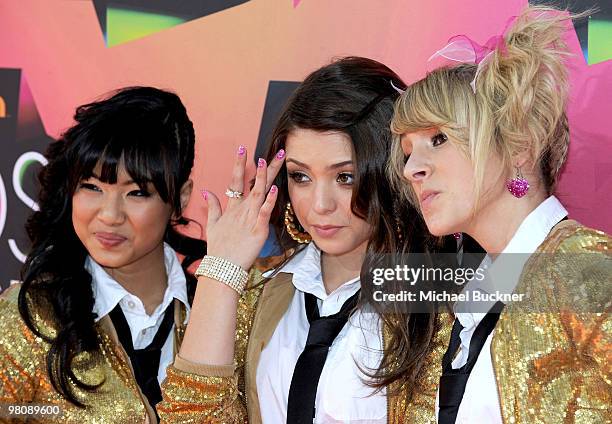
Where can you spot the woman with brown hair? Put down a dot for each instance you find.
(294, 340)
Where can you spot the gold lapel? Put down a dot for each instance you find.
(106, 325)
(274, 300)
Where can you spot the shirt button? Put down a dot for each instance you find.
(144, 332)
(131, 304)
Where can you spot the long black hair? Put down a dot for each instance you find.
(356, 95)
(148, 131)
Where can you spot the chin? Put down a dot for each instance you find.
(334, 247)
(438, 229)
(108, 259)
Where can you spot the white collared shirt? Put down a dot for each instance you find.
(108, 293)
(480, 403)
(342, 395)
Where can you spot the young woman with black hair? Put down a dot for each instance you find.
(299, 338)
(104, 300)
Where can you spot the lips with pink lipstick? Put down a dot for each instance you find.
(326, 231)
(109, 240)
(427, 197)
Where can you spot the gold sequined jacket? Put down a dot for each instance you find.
(24, 378)
(551, 365)
(552, 354)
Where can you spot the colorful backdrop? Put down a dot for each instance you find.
(234, 62)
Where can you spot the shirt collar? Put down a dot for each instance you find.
(108, 292)
(503, 273)
(307, 276)
(536, 226)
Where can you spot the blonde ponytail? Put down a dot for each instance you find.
(518, 105)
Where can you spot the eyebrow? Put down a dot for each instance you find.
(332, 166)
(128, 182)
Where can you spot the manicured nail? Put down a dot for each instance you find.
(273, 189)
(280, 154)
(241, 150)
(204, 194)
(261, 163)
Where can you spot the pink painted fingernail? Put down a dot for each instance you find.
(204, 194)
(280, 154)
(273, 189)
(241, 150)
(261, 163)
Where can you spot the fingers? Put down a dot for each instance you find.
(263, 218)
(237, 182)
(274, 167)
(214, 207)
(258, 191)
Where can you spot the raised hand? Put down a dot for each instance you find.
(239, 233)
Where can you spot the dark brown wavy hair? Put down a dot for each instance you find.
(355, 95)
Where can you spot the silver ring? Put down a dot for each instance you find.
(233, 194)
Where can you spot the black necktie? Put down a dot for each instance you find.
(321, 335)
(453, 381)
(145, 362)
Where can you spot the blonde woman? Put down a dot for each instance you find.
(479, 149)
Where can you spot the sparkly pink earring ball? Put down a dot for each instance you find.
(518, 186)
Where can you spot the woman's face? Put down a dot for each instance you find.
(442, 178)
(320, 172)
(119, 224)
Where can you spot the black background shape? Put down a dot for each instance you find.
(276, 98)
(16, 141)
(185, 9)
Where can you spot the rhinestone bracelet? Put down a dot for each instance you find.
(224, 271)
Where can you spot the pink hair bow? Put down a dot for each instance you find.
(462, 49)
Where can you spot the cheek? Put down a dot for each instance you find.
(301, 201)
(83, 212)
(149, 221)
(343, 202)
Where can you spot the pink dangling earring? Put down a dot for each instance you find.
(518, 185)
(457, 236)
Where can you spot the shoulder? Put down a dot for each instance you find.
(266, 264)
(41, 311)
(10, 295)
(572, 237)
(570, 269)
(20, 343)
(269, 263)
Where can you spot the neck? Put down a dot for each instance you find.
(494, 227)
(146, 278)
(338, 269)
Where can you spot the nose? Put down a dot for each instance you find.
(324, 201)
(111, 210)
(417, 168)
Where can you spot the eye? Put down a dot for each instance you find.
(439, 139)
(139, 193)
(299, 177)
(89, 186)
(345, 178)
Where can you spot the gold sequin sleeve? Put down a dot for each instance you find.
(199, 393)
(553, 354)
(19, 357)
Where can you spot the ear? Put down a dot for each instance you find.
(186, 193)
(522, 158)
